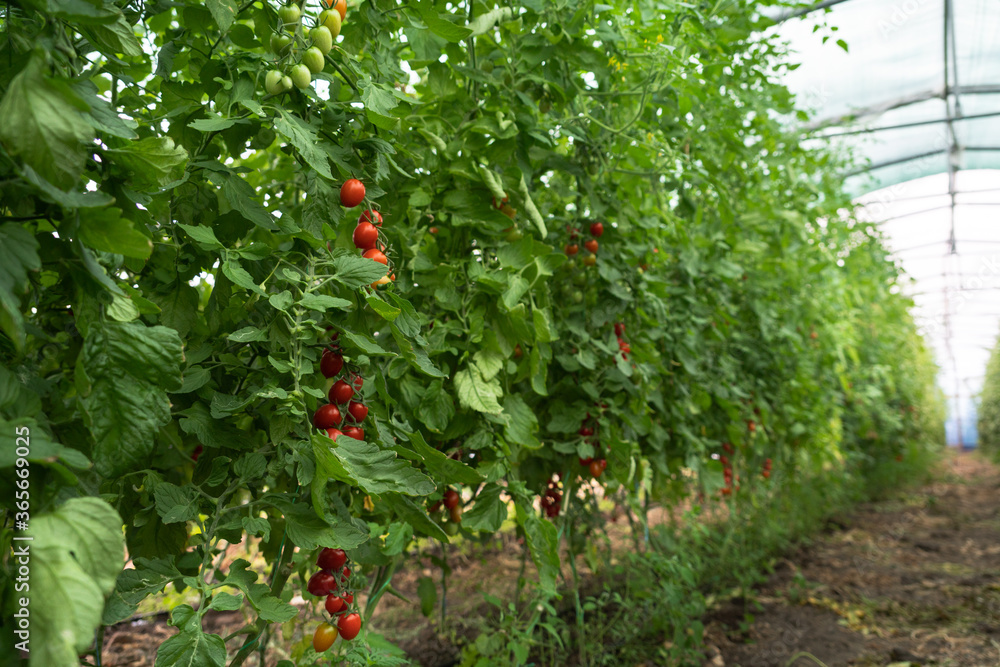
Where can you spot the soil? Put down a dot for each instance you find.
(906, 582)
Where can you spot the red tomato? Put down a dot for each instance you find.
(365, 235)
(330, 363)
(572, 249)
(331, 559)
(596, 229)
(349, 626)
(451, 498)
(358, 411)
(349, 598)
(321, 583)
(355, 432)
(333, 433)
(334, 604)
(371, 216)
(585, 431)
(341, 392)
(359, 382)
(327, 416)
(352, 192)
(586, 462)
(597, 467)
(341, 7)
(433, 230)
(196, 453)
(619, 328)
(324, 637)
(377, 255)
(591, 245)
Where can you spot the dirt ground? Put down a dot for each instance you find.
(909, 582)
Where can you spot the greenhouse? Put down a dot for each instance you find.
(462, 333)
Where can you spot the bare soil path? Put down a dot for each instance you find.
(909, 582)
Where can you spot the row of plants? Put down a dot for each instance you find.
(345, 280)
(988, 414)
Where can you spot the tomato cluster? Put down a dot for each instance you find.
(330, 417)
(289, 44)
(367, 237)
(594, 465)
(727, 469)
(332, 581)
(766, 472)
(572, 248)
(451, 500)
(552, 498)
(623, 345)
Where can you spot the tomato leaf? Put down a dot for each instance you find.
(477, 393)
(488, 511)
(363, 464)
(190, 646)
(105, 229)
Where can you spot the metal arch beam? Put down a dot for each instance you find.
(795, 13)
(903, 126)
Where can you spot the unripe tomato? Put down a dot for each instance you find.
(333, 433)
(577, 296)
(331, 559)
(327, 416)
(341, 392)
(384, 280)
(596, 229)
(513, 234)
(290, 14)
(330, 363)
(377, 255)
(455, 514)
(358, 411)
(321, 584)
(349, 626)
(365, 235)
(591, 245)
(572, 249)
(322, 38)
(352, 193)
(341, 7)
(508, 210)
(371, 216)
(301, 76)
(589, 260)
(272, 83)
(451, 498)
(330, 19)
(335, 604)
(286, 82)
(313, 59)
(450, 529)
(280, 43)
(355, 432)
(324, 637)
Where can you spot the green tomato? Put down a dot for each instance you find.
(313, 59)
(514, 234)
(286, 82)
(450, 528)
(280, 43)
(289, 14)
(577, 296)
(322, 38)
(331, 19)
(580, 278)
(272, 82)
(301, 76)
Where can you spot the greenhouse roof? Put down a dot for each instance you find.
(912, 88)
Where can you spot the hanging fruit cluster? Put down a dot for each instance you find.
(766, 472)
(367, 237)
(594, 465)
(298, 59)
(623, 345)
(552, 498)
(332, 582)
(727, 470)
(331, 417)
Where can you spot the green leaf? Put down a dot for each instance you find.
(147, 576)
(43, 125)
(483, 23)
(301, 135)
(444, 469)
(105, 229)
(176, 504)
(150, 163)
(476, 393)
(323, 303)
(43, 450)
(114, 38)
(488, 512)
(364, 464)
(542, 539)
(130, 368)
(353, 271)
(243, 198)
(76, 554)
(414, 515)
(308, 530)
(532, 210)
(190, 647)
(203, 236)
(381, 308)
(427, 590)
(18, 256)
(492, 182)
(436, 407)
(489, 363)
(232, 270)
(226, 602)
(415, 355)
(522, 424)
(223, 11)
(248, 334)
(441, 26)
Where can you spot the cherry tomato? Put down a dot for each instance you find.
(196, 453)
(596, 229)
(272, 83)
(572, 249)
(349, 598)
(349, 626)
(301, 76)
(619, 328)
(433, 230)
(596, 468)
(586, 462)
(358, 410)
(352, 193)
(377, 255)
(330, 363)
(365, 235)
(341, 392)
(518, 352)
(280, 43)
(330, 19)
(313, 59)
(591, 245)
(355, 432)
(331, 559)
(322, 583)
(359, 382)
(585, 431)
(289, 14)
(455, 514)
(496, 205)
(371, 216)
(333, 433)
(327, 416)
(322, 38)
(451, 498)
(590, 260)
(324, 637)
(334, 604)
(341, 7)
